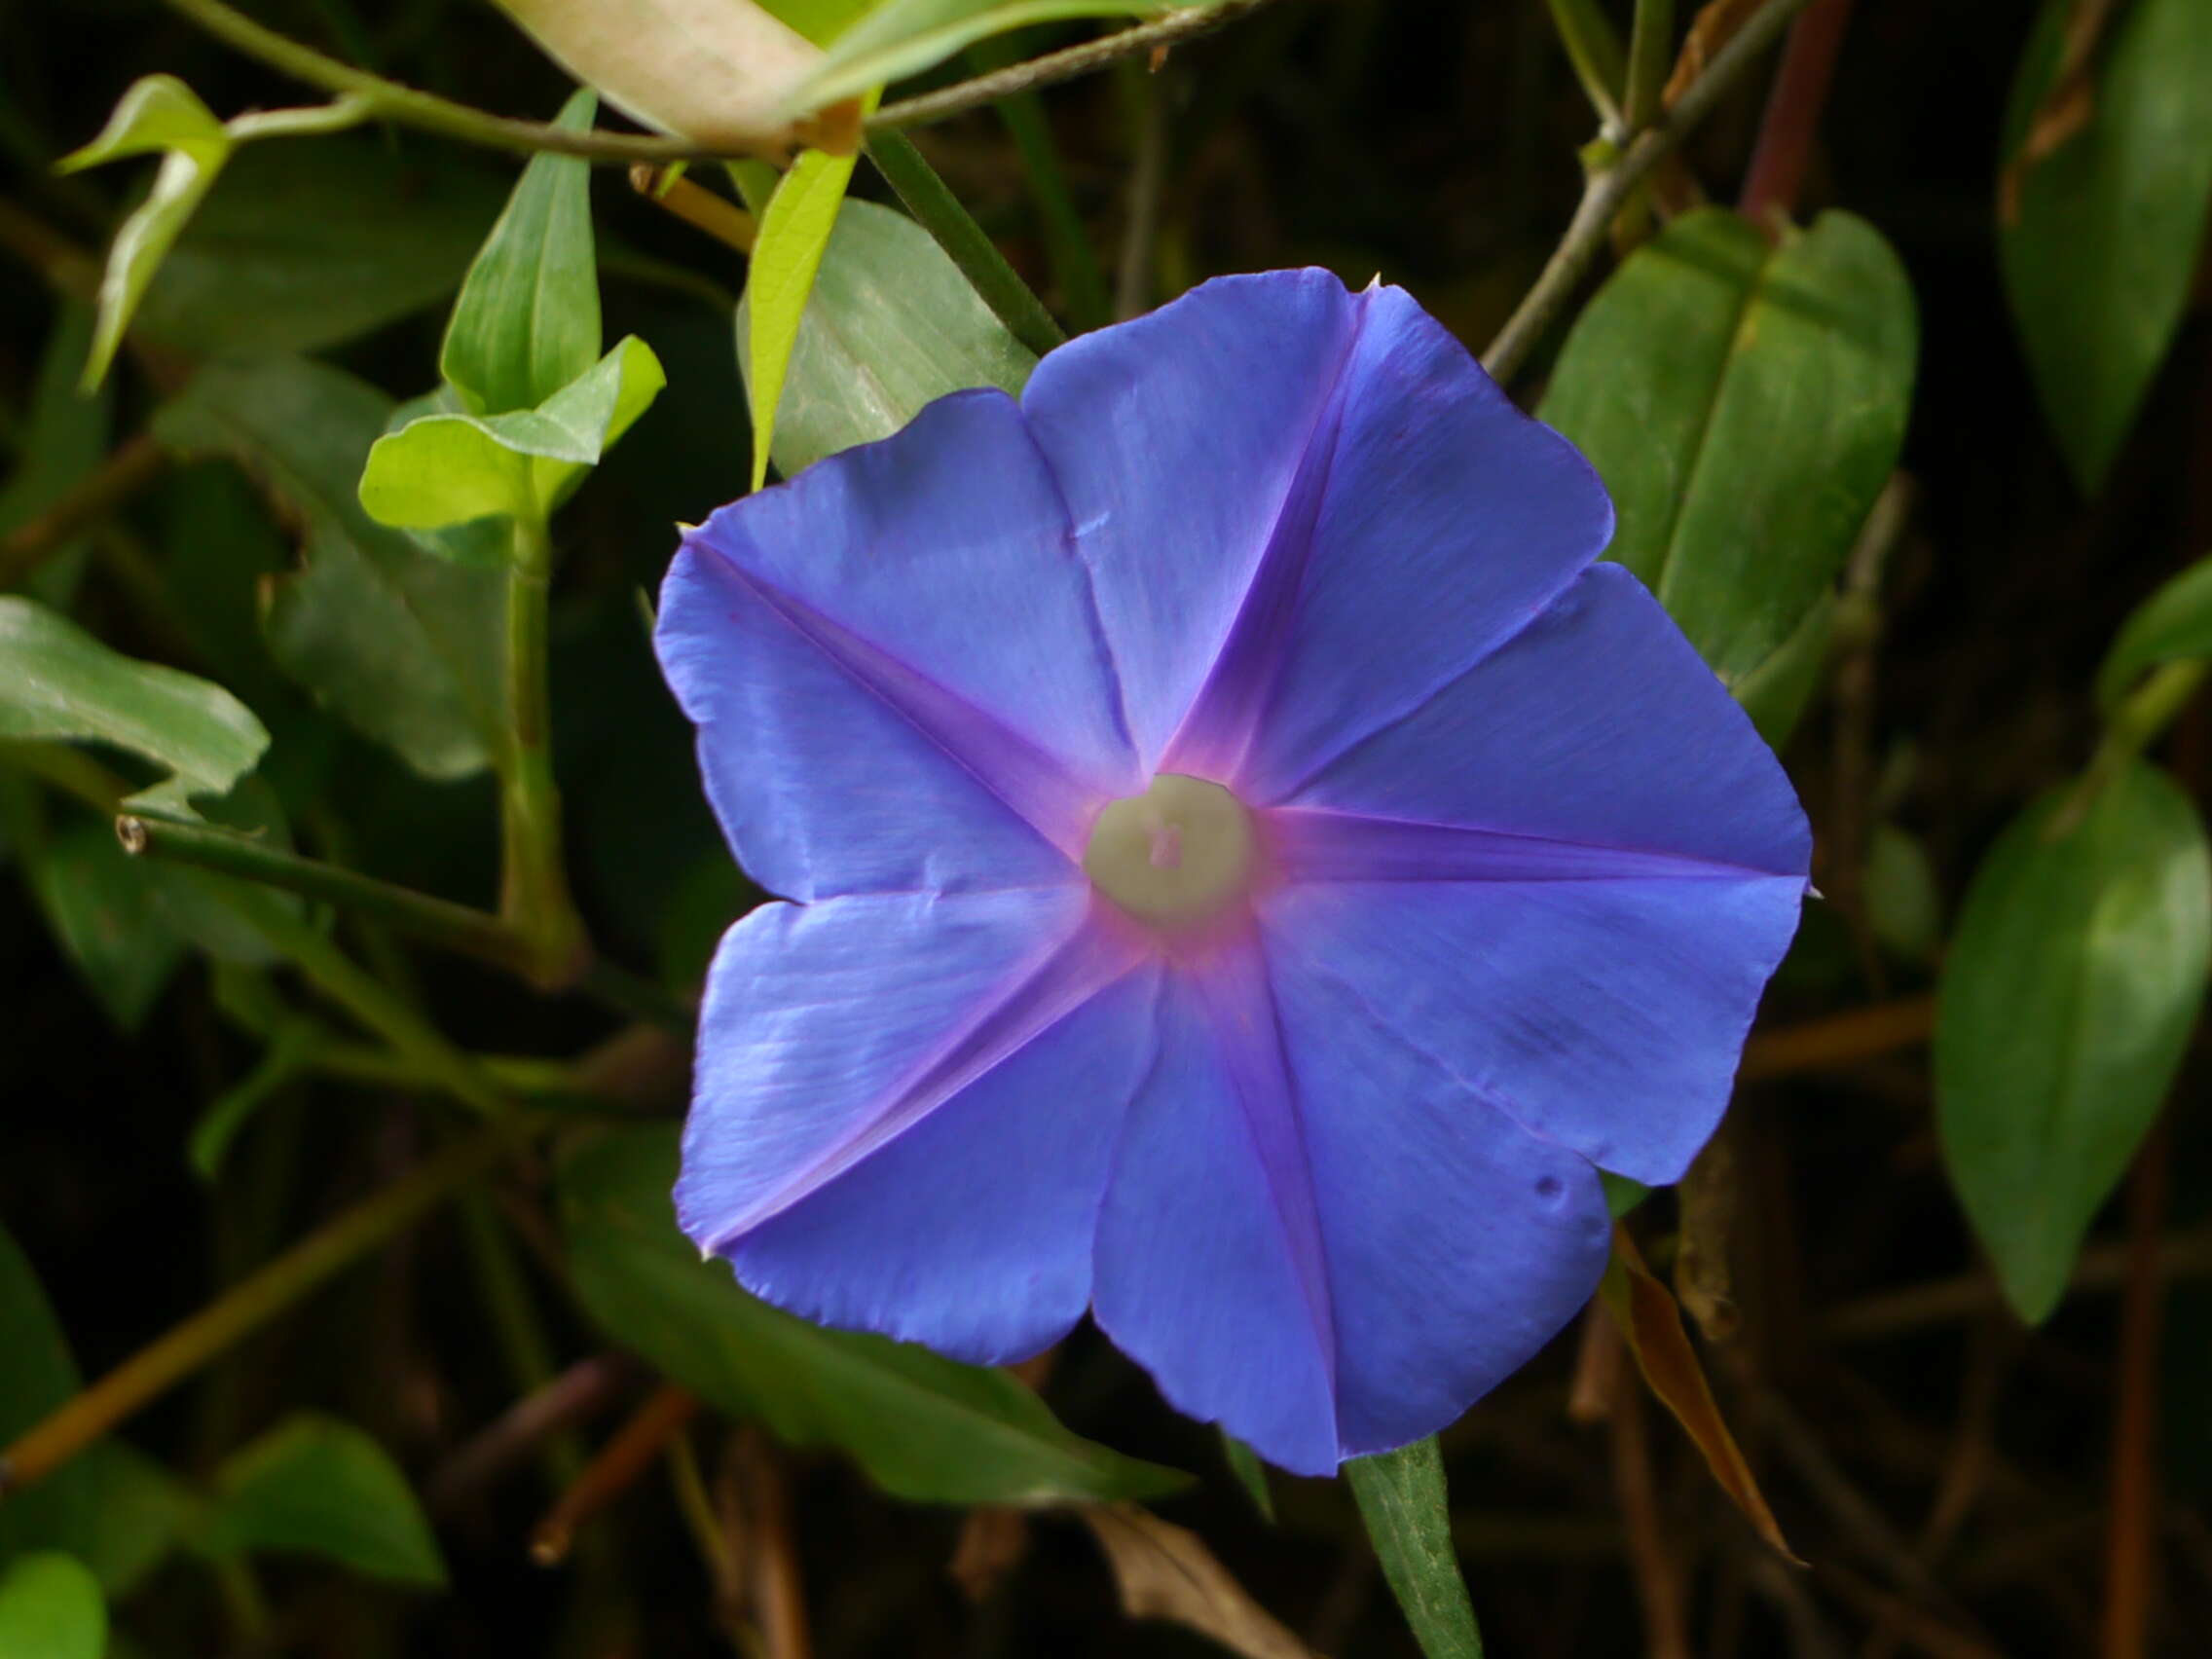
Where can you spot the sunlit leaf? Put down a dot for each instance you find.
(1645, 1312)
(891, 325)
(57, 682)
(51, 1608)
(1408, 1516)
(402, 645)
(527, 321)
(1743, 403)
(317, 1486)
(924, 1427)
(2174, 622)
(2099, 237)
(793, 233)
(159, 112)
(2078, 968)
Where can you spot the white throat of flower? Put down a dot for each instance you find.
(1177, 854)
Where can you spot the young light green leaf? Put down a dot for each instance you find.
(2174, 622)
(2099, 228)
(794, 231)
(1743, 403)
(401, 643)
(447, 469)
(1409, 1518)
(158, 112)
(891, 325)
(51, 1608)
(57, 682)
(2076, 972)
(311, 242)
(317, 1486)
(903, 37)
(527, 321)
(923, 1427)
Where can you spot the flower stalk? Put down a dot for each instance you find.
(533, 885)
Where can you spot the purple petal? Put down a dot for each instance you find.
(1177, 439)
(1211, 1269)
(828, 1028)
(897, 674)
(1441, 520)
(972, 1231)
(1597, 725)
(1604, 1015)
(1458, 1243)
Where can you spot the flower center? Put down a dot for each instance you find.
(1179, 853)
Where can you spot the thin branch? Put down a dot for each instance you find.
(1794, 109)
(251, 1303)
(389, 100)
(1610, 185)
(1057, 66)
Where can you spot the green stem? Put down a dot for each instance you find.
(1067, 240)
(940, 212)
(1650, 52)
(517, 1327)
(2132, 728)
(533, 883)
(1610, 185)
(374, 1005)
(457, 928)
(1595, 50)
(250, 1303)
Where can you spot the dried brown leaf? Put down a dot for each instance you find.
(1713, 27)
(1166, 1571)
(1654, 1326)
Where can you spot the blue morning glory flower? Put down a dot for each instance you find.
(1248, 869)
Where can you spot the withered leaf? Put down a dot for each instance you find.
(1166, 1571)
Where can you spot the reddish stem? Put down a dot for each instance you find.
(1794, 109)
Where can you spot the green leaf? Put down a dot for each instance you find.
(794, 231)
(2074, 978)
(903, 37)
(1622, 1194)
(1743, 403)
(2099, 250)
(107, 914)
(51, 1608)
(310, 242)
(1776, 692)
(57, 682)
(158, 112)
(924, 1427)
(440, 471)
(110, 1506)
(1251, 1474)
(66, 437)
(2174, 622)
(527, 323)
(230, 1112)
(402, 645)
(316, 1486)
(891, 325)
(1904, 905)
(1402, 1500)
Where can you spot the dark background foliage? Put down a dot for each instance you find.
(1948, 1472)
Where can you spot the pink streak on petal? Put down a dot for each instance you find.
(1085, 964)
